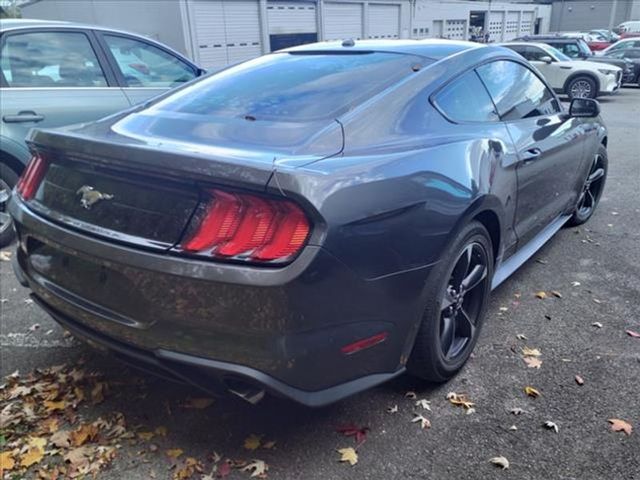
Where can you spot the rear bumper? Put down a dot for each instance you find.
(213, 325)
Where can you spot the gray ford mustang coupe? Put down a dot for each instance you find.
(310, 223)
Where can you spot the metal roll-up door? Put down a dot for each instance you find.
(384, 21)
(496, 23)
(208, 30)
(291, 23)
(242, 26)
(526, 25)
(511, 28)
(455, 29)
(291, 17)
(343, 20)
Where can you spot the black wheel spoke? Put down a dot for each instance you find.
(448, 334)
(447, 301)
(477, 274)
(464, 325)
(462, 267)
(595, 176)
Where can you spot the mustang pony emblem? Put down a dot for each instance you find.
(91, 196)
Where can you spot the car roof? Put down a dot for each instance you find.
(19, 23)
(434, 49)
(524, 44)
(556, 37)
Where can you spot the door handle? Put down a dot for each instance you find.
(531, 155)
(23, 117)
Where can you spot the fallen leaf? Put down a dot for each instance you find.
(579, 380)
(174, 453)
(224, 470)
(32, 456)
(597, 301)
(146, 436)
(540, 261)
(34, 327)
(596, 324)
(533, 362)
(252, 442)
(83, 434)
(470, 411)
(500, 462)
(411, 395)
(541, 295)
(575, 284)
(424, 403)
(532, 392)
(359, 433)
(513, 428)
(531, 352)
(633, 334)
(5, 256)
(393, 409)
(424, 422)
(198, 403)
(161, 431)
(551, 425)
(517, 411)
(259, 468)
(521, 337)
(348, 455)
(618, 425)
(460, 400)
(6, 462)
(53, 406)
(97, 393)
(188, 469)
(269, 445)
(79, 456)
(556, 294)
(61, 439)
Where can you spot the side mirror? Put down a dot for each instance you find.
(584, 108)
(546, 59)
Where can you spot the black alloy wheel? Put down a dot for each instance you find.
(592, 189)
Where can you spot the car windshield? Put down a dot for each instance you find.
(291, 87)
(557, 54)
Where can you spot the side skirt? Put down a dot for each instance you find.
(516, 260)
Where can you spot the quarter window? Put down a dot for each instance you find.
(50, 59)
(466, 100)
(144, 65)
(517, 91)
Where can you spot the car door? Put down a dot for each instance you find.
(549, 145)
(52, 78)
(145, 69)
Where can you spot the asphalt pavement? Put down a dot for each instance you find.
(594, 268)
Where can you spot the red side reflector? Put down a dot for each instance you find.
(250, 227)
(364, 343)
(31, 177)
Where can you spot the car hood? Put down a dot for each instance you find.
(586, 65)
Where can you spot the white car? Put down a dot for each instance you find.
(575, 78)
(632, 42)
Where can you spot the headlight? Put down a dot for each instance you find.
(607, 72)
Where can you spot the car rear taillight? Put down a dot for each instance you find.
(31, 177)
(249, 227)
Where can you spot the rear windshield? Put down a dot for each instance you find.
(292, 87)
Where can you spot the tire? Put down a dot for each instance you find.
(582, 87)
(429, 360)
(8, 179)
(592, 189)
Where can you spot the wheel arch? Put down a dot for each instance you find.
(581, 73)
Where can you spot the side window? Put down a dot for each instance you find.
(50, 59)
(466, 100)
(535, 54)
(517, 91)
(569, 49)
(144, 65)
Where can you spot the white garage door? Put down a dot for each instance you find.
(225, 31)
(343, 20)
(511, 29)
(455, 29)
(291, 17)
(526, 25)
(384, 21)
(496, 22)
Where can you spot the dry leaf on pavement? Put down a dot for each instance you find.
(252, 442)
(393, 409)
(424, 403)
(633, 334)
(459, 399)
(596, 324)
(551, 425)
(579, 380)
(500, 462)
(541, 295)
(348, 455)
(531, 352)
(174, 453)
(618, 425)
(532, 362)
(257, 468)
(532, 392)
(411, 395)
(424, 422)
(359, 433)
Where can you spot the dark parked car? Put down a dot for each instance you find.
(58, 73)
(577, 49)
(310, 223)
(630, 55)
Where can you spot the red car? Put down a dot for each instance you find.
(597, 45)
